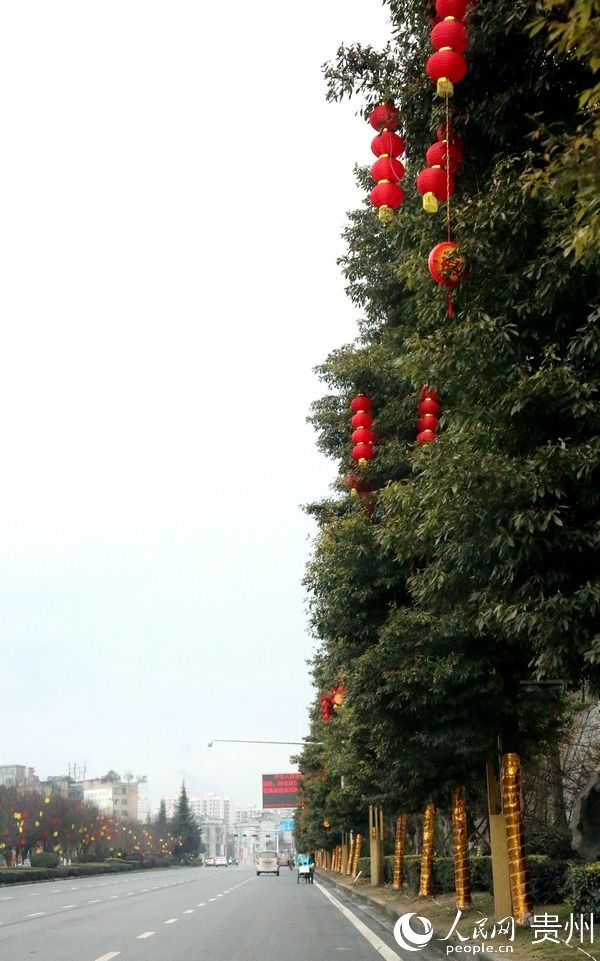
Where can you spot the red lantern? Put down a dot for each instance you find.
(445, 264)
(362, 419)
(433, 184)
(429, 406)
(337, 695)
(451, 8)
(385, 116)
(387, 168)
(387, 144)
(362, 435)
(326, 708)
(356, 485)
(429, 409)
(361, 403)
(363, 452)
(441, 153)
(427, 422)
(446, 68)
(387, 195)
(450, 33)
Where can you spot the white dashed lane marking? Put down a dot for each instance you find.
(65, 906)
(37, 914)
(201, 905)
(171, 921)
(146, 934)
(109, 956)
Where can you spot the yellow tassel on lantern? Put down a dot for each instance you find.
(430, 203)
(386, 214)
(445, 87)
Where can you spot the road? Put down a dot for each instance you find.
(186, 914)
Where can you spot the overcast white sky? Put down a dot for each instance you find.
(172, 191)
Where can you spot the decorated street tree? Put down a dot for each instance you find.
(466, 562)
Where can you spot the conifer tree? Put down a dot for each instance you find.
(185, 829)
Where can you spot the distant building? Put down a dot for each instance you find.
(19, 776)
(205, 807)
(119, 799)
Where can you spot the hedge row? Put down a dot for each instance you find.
(19, 875)
(549, 880)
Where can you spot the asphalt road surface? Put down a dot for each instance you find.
(187, 914)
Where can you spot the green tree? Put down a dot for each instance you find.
(161, 817)
(185, 829)
(472, 566)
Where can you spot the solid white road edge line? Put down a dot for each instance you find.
(366, 932)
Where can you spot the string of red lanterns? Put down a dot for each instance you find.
(446, 67)
(363, 437)
(387, 172)
(429, 413)
(332, 701)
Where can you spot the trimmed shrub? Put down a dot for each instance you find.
(549, 841)
(44, 859)
(547, 877)
(582, 888)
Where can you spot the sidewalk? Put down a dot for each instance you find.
(442, 913)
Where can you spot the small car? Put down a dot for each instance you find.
(267, 863)
(220, 862)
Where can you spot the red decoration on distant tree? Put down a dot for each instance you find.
(443, 154)
(450, 33)
(445, 264)
(387, 194)
(446, 67)
(326, 707)
(363, 452)
(451, 8)
(387, 144)
(361, 419)
(388, 168)
(435, 185)
(361, 403)
(429, 409)
(362, 435)
(385, 115)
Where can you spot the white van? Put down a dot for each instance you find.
(267, 863)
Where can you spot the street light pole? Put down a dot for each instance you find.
(229, 740)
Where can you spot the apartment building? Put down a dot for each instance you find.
(19, 776)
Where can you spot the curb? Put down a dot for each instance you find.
(382, 907)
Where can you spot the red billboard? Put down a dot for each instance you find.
(280, 790)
